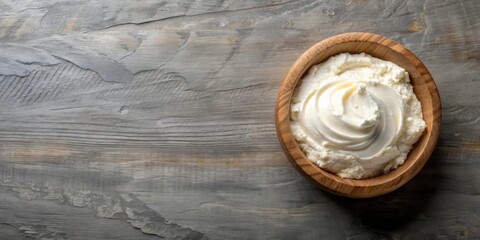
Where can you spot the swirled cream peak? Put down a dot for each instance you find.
(356, 115)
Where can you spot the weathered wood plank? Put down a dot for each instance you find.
(121, 118)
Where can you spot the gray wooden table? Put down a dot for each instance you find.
(147, 119)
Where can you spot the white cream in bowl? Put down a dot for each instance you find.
(356, 116)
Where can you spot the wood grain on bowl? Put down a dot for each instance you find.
(423, 86)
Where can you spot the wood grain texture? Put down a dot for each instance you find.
(149, 119)
(423, 86)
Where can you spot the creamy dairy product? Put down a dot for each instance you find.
(356, 115)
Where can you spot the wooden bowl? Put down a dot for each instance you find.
(423, 86)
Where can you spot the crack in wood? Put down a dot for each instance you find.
(110, 205)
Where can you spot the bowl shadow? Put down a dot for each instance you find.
(398, 208)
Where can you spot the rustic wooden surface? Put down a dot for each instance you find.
(145, 119)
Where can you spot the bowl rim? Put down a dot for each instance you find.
(362, 188)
